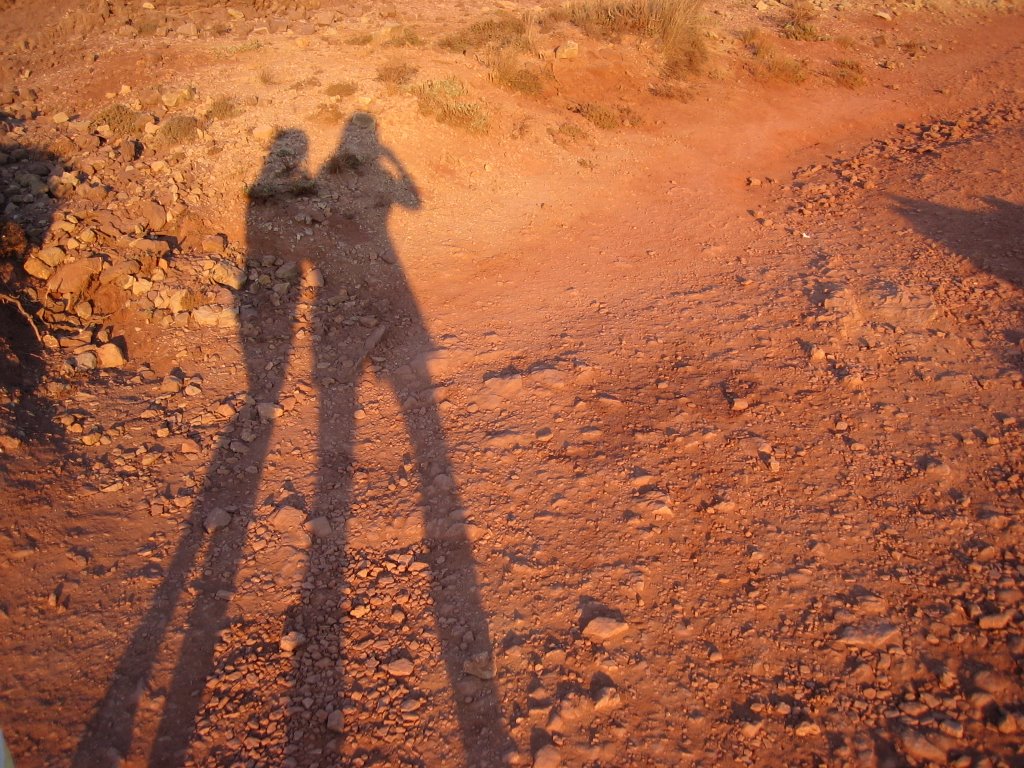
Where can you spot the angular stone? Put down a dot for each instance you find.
(217, 519)
(605, 628)
(870, 637)
(110, 356)
(226, 273)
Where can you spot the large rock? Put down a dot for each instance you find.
(72, 278)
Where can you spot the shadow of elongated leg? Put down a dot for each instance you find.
(318, 617)
(111, 728)
(226, 484)
(109, 732)
(461, 621)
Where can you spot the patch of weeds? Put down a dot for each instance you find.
(252, 45)
(267, 77)
(177, 129)
(397, 73)
(799, 23)
(510, 74)
(404, 37)
(361, 39)
(673, 23)
(502, 30)
(329, 114)
(671, 91)
(568, 131)
(309, 82)
(341, 90)
(223, 108)
(849, 74)
(447, 102)
(122, 121)
(606, 118)
(344, 161)
(767, 63)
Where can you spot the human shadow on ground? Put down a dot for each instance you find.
(26, 214)
(989, 238)
(360, 306)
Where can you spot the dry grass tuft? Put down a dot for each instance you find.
(362, 39)
(223, 108)
(267, 77)
(674, 23)
(848, 74)
(799, 23)
(397, 73)
(177, 129)
(341, 90)
(671, 91)
(447, 102)
(509, 73)
(404, 37)
(768, 64)
(567, 133)
(500, 31)
(329, 114)
(606, 118)
(122, 121)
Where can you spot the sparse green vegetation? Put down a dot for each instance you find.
(500, 31)
(122, 121)
(397, 73)
(341, 90)
(448, 102)
(767, 63)
(177, 129)
(848, 74)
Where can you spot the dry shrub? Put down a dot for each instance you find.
(767, 63)
(607, 118)
(567, 133)
(341, 90)
(509, 73)
(329, 114)
(671, 91)
(122, 121)
(361, 39)
(404, 37)
(177, 129)
(502, 30)
(799, 22)
(848, 74)
(673, 23)
(223, 108)
(397, 73)
(447, 102)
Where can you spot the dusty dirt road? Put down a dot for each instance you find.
(691, 443)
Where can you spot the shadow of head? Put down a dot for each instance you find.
(989, 237)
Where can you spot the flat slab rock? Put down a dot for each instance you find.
(605, 628)
(870, 636)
